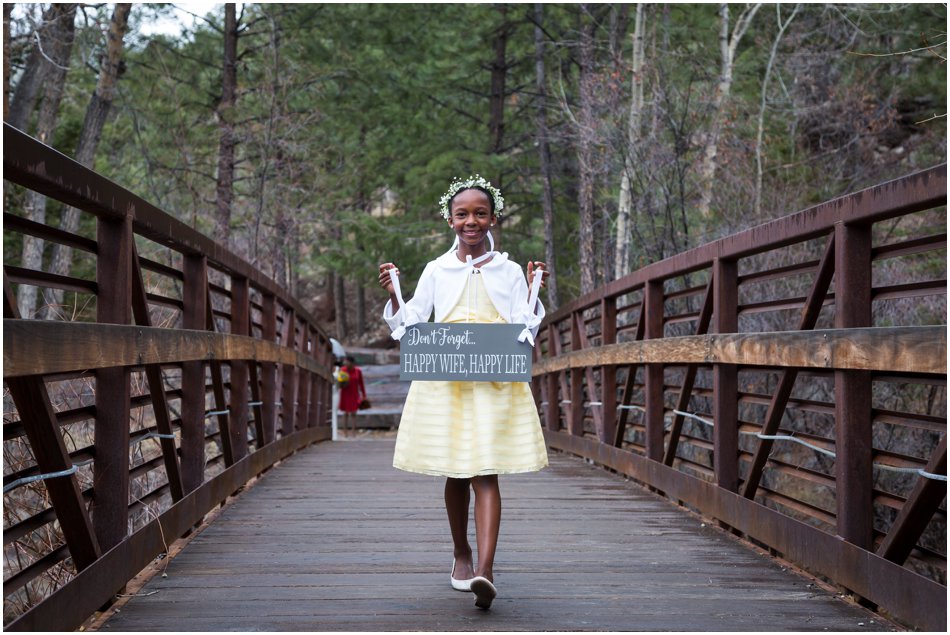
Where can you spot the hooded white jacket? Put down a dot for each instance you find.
(441, 286)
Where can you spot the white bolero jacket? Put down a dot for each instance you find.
(441, 286)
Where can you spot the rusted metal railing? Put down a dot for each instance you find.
(789, 381)
(116, 442)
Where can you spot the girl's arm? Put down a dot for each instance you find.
(530, 316)
(386, 282)
(416, 310)
(534, 265)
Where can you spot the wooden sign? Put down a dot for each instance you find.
(435, 351)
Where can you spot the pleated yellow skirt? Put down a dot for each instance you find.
(462, 429)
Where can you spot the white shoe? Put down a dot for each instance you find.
(459, 585)
(484, 591)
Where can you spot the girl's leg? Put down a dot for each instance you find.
(456, 504)
(487, 521)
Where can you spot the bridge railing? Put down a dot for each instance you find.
(788, 381)
(181, 373)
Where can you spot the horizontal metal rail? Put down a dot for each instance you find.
(267, 359)
(819, 427)
(915, 349)
(34, 347)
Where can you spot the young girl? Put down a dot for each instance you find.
(469, 432)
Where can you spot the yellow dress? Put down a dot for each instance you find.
(466, 428)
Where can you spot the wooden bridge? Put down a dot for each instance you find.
(752, 383)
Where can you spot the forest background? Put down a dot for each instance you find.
(316, 139)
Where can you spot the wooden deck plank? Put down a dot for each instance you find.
(334, 538)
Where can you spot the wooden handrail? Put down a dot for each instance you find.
(33, 347)
(759, 325)
(909, 349)
(278, 392)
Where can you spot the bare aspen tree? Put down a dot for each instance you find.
(544, 151)
(224, 193)
(765, 85)
(727, 52)
(60, 45)
(586, 151)
(625, 201)
(270, 143)
(96, 113)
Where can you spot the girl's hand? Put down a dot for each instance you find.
(384, 280)
(532, 265)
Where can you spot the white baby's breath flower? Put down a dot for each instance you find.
(473, 181)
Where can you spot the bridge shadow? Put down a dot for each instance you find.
(334, 538)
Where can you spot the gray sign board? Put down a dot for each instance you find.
(436, 351)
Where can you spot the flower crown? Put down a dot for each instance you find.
(473, 181)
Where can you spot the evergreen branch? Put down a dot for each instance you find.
(458, 110)
(211, 24)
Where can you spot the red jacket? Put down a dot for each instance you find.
(354, 392)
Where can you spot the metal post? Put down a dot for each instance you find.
(853, 472)
(576, 409)
(552, 414)
(269, 370)
(608, 374)
(656, 410)
(113, 390)
(725, 378)
(239, 394)
(195, 297)
(289, 376)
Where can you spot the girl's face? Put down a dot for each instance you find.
(471, 217)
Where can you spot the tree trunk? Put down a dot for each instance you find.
(544, 150)
(499, 68)
(360, 310)
(295, 283)
(625, 202)
(340, 310)
(62, 35)
(330, 302)
(585, 152)
(7, 10)
(496, 106)
(727, 53)
(274, 115)
(96, 113)
(619, 20)
(225, 184)
(34, 75)
(279, 267)
(64, 28)
(363, 205)
(765, 84)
